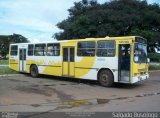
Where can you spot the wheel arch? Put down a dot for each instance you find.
(104, 69)
(31, 66)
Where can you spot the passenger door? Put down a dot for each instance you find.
(124, 62)
(22, 59)
(68, 61)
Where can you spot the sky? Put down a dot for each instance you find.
(35, 19)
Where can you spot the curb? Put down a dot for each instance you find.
(4, 65)
(10, 75)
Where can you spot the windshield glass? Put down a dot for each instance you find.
(140, 53)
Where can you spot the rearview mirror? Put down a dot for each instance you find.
(136, 59)
(148, 60)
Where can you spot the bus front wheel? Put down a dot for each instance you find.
(34, 71)
(106, 78)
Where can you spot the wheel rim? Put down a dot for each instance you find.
(104, 78)
(33, 71)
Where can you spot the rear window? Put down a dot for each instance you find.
(14, 50)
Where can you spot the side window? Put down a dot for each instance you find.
(86, 48)
(65, 54)
(71, 54)
(40, 49)
(106, 48)
(30, 49)
(14, 50)
(53, 49)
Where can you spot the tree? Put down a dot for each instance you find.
(152, 37)
(6, 40)
(88, 18)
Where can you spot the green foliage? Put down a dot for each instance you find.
(154, 67)
(154, 57)
(6, 40)
(150, 35)
(88, 18)
(4, 62)
(7, 71)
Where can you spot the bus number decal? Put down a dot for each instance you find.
(101, 59)
(124, 42)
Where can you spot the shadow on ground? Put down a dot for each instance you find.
(89, 82)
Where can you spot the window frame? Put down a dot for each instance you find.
(40, 50)
(140, 56)
(88, 48)
(15, 50)
(31, 50)
(106, 48)
(53, 50)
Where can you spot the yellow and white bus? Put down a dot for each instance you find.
(107, 60)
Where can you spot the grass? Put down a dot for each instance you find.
(4, 62)
(154, 67)
(7, 70)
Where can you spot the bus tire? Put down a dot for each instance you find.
(106, 78)
(34, 71)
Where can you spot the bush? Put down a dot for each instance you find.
(154, 57)
(4, 62)
(154, 67)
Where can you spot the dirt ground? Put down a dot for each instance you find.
(22, 93)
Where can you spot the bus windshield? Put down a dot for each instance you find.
(140, 53)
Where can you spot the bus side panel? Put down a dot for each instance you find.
(88, 67)
(56, 71)
(49, 65)
(13, 63)
(83, 65)
(33, 60)
(53, 65)
(91, 74)
(27, 68)
(110, 63)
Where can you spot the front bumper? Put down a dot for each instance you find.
(140, 78)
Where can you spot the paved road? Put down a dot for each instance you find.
(23, 93)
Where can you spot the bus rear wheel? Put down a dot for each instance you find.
(106, 78)
(34, 71)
